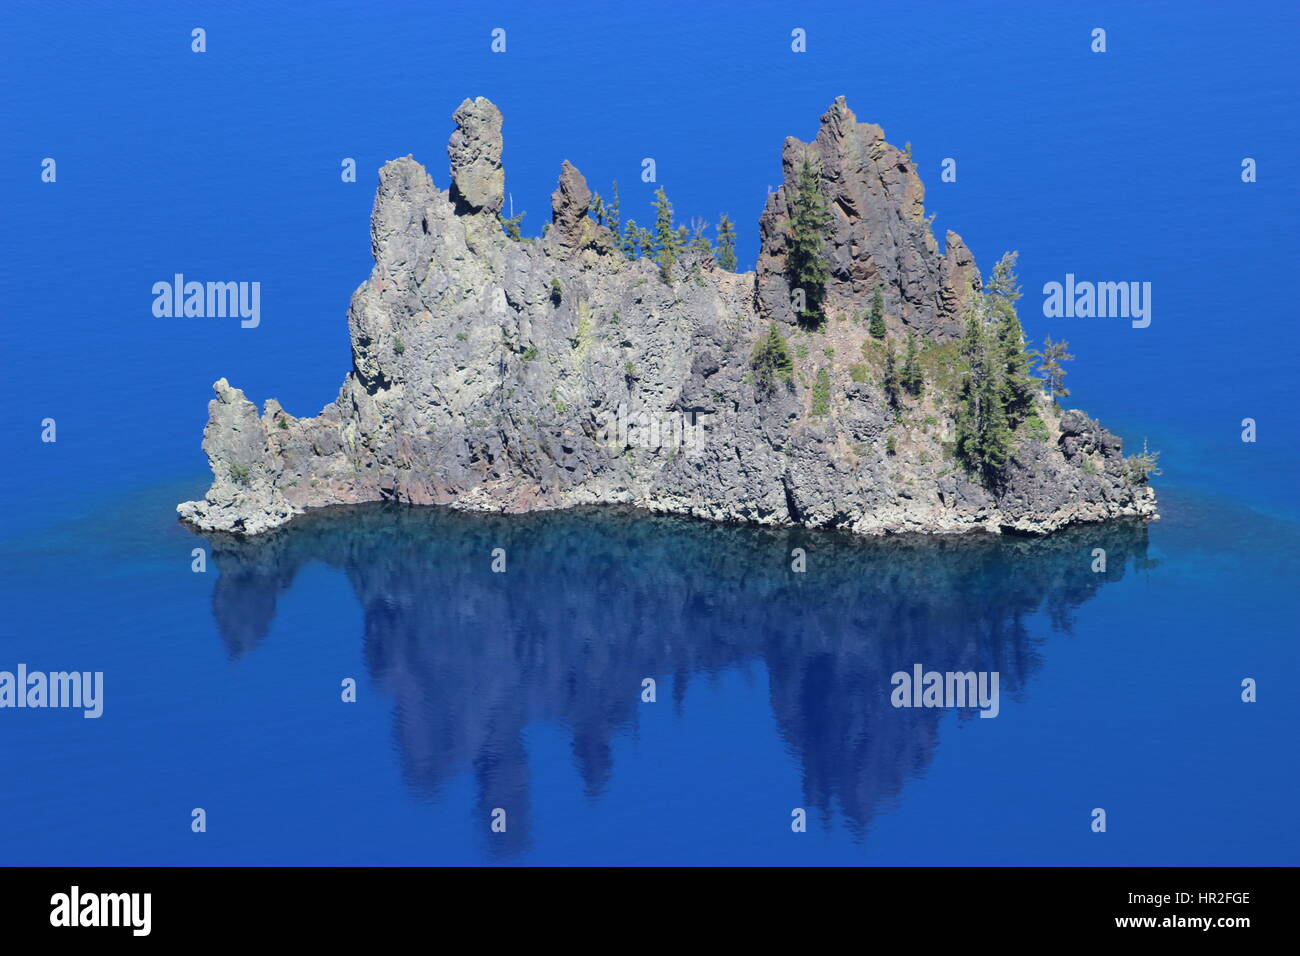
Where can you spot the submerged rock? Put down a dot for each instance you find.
(510, 375)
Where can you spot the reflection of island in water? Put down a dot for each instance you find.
(595, 600)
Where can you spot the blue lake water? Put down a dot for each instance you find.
(522, 690)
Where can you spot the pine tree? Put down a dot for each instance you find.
(771, 360)
(511, 225)
(668, 240)
(1001, 294)
(597, 209)
(998, 392)
(1051, 369)
(1004, 279)
(984, 437)
(726, 244)
(1019, 386)
(1138, 468)
(700, 243)
(645, 240)
(996, 436)
(876, 317)
(629, 241)
(893, 381)
(808, 269)
(913, 381)
(611, 216)
(968, 408)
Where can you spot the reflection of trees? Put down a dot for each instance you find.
(595, 600)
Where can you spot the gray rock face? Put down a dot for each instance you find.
(879, 234)
(478, 181)
(501, 375)
(571, 228)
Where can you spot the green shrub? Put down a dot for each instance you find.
(1035, 428)
(822, 393)
(771, 359)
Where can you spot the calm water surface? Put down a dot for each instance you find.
(522, 690)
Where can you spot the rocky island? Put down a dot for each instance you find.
(860, 378)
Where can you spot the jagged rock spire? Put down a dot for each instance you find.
(569, 205)
(961, 276)
(878, 235)
(478, 181)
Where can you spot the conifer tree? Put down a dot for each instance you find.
(611, 215)
(808, 268)
(726, 244)
(1051, 370)
(645, 240)
(893, 380)
(631, 238)
(983, 435)
(700, 243)
(998, 392)
(912, 379)
(1138, 468)
(771, 360)
(511, 225)
(1019, 386)
(876, 316)
(1003, 281)
(668, 240)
